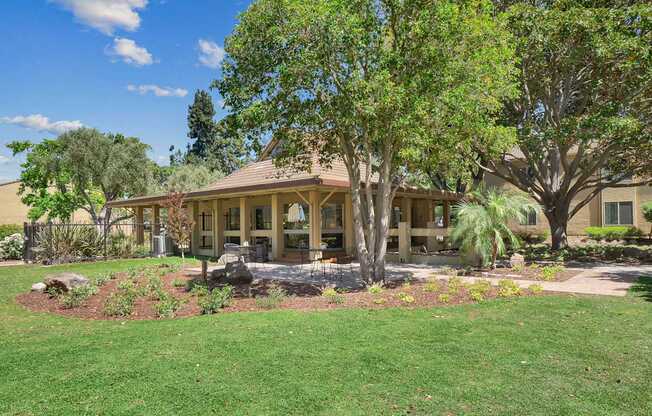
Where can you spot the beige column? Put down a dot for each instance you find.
(194, 239)
(218, 228)
(156, 219)
(349, 238)
(431, 211)
(277, 228)
(406, 210)
(140, 229)
(404, 242)
(245, 221)
(315, 219)
(447, 213)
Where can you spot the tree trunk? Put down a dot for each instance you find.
(494, 254)
(558, 220)
(358, 229)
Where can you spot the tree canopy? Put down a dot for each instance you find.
(385, 86)
(82, 169)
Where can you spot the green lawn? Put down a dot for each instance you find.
(547, 355)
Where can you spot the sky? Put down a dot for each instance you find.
(121, 66)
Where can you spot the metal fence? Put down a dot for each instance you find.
(52, 243)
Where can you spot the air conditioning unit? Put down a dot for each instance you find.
(159, 245)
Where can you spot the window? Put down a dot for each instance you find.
(296, 224)
(206, 242)
(263, 218)
(232, 219)
(619, 213)
(531, 218)
(394, 217)
(439, 215)
(206, 221)
(332, 231)
(232, 240)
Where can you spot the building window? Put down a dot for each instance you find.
(530, 218)
(619, 213)
(232, 219)
(296, 225)
(394, 217)
(206, 221)
(439, 215)
(332, 231)
(206, 242)
(230, 239)
(263, 218)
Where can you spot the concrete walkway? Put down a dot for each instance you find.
(596, 279)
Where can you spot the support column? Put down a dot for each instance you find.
(194, 239)
(406, 210)
(447, 213)
(349, 237)
(315, 219)
(140, 229)
(277, 228)
(404, 242)
(218, 228)
(245, 221)
(156, 219)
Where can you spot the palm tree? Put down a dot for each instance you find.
(482, 222)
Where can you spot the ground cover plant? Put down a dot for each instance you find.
(492, 357)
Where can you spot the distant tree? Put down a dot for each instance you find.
(179, 223)
(483, 222)
(647, 214)
(584, 114)
(383, 86)
(82, 169)
(181, 178)
(201, 126)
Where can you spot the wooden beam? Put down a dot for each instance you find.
(302, 197)
(323, 201)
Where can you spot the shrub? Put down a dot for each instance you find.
(215, 300)
(375, 289)
(380, 301)
(444, 298)
(154, 285)
(481, 286)
(476, 296)
(549, 273)
(119, 304)
(455, 284)
(431, 286)
(647, 213)
(178, 282)
(53, 292)
(102, 279)
(518, 267)
(9, 229)
(508, 288)
(610, 233)
(167, 305)
(11, 247)
(405, 298)
(332, 296)
(535, 288)
(76, 296)
(126, 285)
(60, 243)
(530, 237)
(199, 291)
(275, 296)
(449, 271)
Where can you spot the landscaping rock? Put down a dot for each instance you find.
(39, 287)
(218, 273)
(227, 258)
(516, 260)
(65, 281)
(233, 273)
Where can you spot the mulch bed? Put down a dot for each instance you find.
(528, 273)
(302, 297)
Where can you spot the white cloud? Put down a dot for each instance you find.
(129, 52)
(158, 91)
(210, 53)
(106, 15)
(41, 123)
(4, 160)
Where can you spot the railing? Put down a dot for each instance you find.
(52, 243)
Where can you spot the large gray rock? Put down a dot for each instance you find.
(227, 258)
(39, 287)
(65, 281)
(233, 273)
(517, 260)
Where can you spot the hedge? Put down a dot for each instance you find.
(9, 229)
(614, 232)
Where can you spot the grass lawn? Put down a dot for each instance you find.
(549, 355)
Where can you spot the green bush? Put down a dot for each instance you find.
(405, 298)
(11, 247)
(9, 229)
(215, 300)
(76, 296)
(375, 289)
(610, 233)
(444, 298)
(647, 213)
(508, 288)
(275, 296)
(178, 282)
(103, 279)
(167, 305)
(61, 243)
(332, 296)
(549, 273)
(535, 288)
(120, 303)
(431, 286)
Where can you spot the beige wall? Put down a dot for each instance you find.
(13, 211)
(592, 213)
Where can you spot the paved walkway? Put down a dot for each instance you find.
(612, 280)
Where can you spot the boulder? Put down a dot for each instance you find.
(233, 273)
(227, 258)
(39, 287)
(517, 260)
(218, 273)
(65, 281)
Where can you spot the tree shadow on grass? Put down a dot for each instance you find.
(642, 288)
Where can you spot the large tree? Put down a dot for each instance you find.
(82, 169)
(383, 85)
(583, 116)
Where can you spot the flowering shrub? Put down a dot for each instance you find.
(11, 247)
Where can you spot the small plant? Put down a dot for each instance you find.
(405, 298)
(549, 273)
(178, 282)
(380, 301)
(215, 300)
(119, 304)
(481, 286)
(431, 286)
(476, 296)
(154, 285)
(76, 296)
(535, 288)
(275, 296)
(508, 288)
(455, 284)
(332, 296)
(54, 292)
(406, 285)
(126, 285)
(103, 279)
(167, 306)
(518, 267)
(375, 289)
(199, 291)
(193, 283)
(444, 298)
(449, 271)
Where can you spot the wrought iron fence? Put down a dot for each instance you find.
(52, 243)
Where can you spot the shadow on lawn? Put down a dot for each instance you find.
(642, 288)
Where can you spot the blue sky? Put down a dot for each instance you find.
(127, 66)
